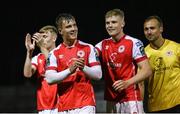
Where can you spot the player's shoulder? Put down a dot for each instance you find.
(37, 55)
(148, 47)
(85, 43)
(105, 40)
(56, 48)
(172, 42)
(134, 39)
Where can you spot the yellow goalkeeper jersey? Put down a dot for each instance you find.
(164, 85)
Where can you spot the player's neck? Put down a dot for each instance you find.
(51, 48)
(70, 43)
(157, 43)
(118, 37)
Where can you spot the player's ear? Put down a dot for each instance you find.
(55, 37)
(123, 24)
(161, 29)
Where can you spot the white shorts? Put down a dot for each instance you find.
(83, 110)
(52, 111)
(132, 107)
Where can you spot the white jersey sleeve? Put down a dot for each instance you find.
(138, 49)
(51, 61)
(93, 55)
(99, 46)
(34, 61)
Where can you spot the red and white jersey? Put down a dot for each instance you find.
(46, 94)
(119, 63)
(76, 90)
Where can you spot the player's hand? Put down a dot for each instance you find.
(80, 63)
(73, 67)
(38, 38)
(30, 45)
(120, 85)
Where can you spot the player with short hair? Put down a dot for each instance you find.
(72, 65)
(46, 94)
(164, 56)
(121, 55)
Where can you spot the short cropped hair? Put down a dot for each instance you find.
(50, 28)
(61, 17)
(160, 22)
(115, 12)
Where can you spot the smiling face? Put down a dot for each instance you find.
(114, 25)
(114, 20)
(69, 30)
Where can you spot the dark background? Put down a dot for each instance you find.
(17, 94)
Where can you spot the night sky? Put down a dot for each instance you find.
(29, 17)
(17, 20)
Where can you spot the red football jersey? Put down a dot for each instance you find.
(119, 63)
(76, 90)
(46, 94)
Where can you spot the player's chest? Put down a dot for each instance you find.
(66, 57)
(118, 52)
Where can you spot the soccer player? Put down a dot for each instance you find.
(73, 64)
(121, 54)
(164, 56)
(46, 94)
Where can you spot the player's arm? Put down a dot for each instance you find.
(52, 76)
(144, 72)
(142, 89)
(93, 72)
(29, 69)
